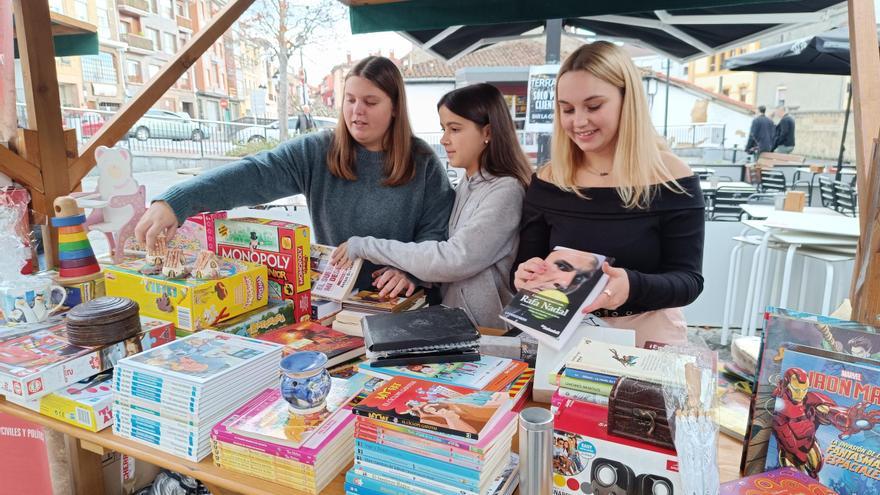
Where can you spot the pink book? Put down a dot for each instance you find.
(24, 464)
(335, 425)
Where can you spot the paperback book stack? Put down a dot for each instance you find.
(264, 439)
(430, 335)
(171, 396)
(415, 436)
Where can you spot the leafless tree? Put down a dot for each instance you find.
(283, 26)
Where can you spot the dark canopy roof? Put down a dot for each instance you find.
(825, 53)
(681, 29)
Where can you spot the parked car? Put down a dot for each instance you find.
(162, 124)
(90, 123)
(261, 133)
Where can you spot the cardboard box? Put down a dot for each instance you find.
(78, 293)
(86, 405)
(282, 247)
(584, 454)
(794, 201)
(39, 363)
(197, 232)
(274, 315)
(125, 475)
(191, 304)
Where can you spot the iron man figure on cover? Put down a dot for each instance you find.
(799, 412)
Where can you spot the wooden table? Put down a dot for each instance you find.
(90, 446)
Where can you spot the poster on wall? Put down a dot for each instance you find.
(542, 91)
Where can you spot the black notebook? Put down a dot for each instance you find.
(435, 329)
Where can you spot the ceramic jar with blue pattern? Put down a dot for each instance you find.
(305, 382)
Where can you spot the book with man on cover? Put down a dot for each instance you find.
(448, 409)
(310, 336)
(329, 281)
(548, 307)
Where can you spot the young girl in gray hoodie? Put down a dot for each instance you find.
(474, 262)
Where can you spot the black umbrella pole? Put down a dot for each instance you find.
(838, 175)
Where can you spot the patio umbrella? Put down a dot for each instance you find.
(824, 53)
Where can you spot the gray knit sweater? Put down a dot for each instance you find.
(416, 211)
(474, 263)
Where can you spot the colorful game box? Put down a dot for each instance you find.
(586, 459)
(827, 419)
(191, 304)
(784, 481)
(274, 315)
(41, 362)
(86, 404)
(283, 247)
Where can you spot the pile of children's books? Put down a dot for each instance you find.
(416, 436)
(264, 439)
(171, 396)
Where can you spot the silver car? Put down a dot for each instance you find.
(162, 124)
(261, 133)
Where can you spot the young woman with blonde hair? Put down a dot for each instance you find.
(370, 176)
(612, 187)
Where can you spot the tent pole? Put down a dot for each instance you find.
(845, 125)
(666, 105)
(553, 45)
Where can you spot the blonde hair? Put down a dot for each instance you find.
(398, 143)
(638, 165)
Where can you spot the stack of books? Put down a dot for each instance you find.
(371, 302)
(431, 335)
(349, 322)
(490, 373)
(415, 436)
(264, 439)
(311, 336)
(171, 396)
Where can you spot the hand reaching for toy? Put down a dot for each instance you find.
(391, 282)
(158, 220)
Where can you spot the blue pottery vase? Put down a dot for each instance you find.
(305, 382)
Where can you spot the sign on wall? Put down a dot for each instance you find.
(541, 95)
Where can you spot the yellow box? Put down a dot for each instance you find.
(191, 304)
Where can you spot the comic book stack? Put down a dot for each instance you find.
(171, 396)
(416, 436)
(264, 439)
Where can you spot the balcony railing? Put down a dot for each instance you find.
(136, 6)
(138, 42)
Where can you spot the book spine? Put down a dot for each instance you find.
(585, 386)
(417, 442)
(383, 416)
(561, 394)
(402, 470)
(299, 455)
(420, 450)
(352, 489)
(388, 485)
(478, 448)
(590, 375)
(234, 453)
(385, 475)
(438, 468)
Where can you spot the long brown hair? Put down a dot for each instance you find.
(484, 105)
(398, 140)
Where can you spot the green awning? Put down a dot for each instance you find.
(417, 15)
(72, 45)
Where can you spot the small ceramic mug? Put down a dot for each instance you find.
(30, 301)
(305, 382)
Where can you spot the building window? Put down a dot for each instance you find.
(169, 43)
(183, 8)
(712, 65)
(104, 20)
(684, 70)
(780, 95)
(125, 27)
(153, 69)
(166, 9)
(99, 68)
(81, 9)
(133, 71)
(68, 95)
(153, 34)
(56, 6)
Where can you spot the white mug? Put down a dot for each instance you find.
(30, 300)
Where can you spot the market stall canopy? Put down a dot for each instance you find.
(71, 37)
(825, 53)
(680, 29)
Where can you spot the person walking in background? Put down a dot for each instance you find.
(784, 140)
(304, 122)
(762, 135)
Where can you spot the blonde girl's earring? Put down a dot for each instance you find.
(486, 141)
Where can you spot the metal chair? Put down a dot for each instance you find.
(773, 181)
(826, 191)
(845, 198)
(727, 203)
